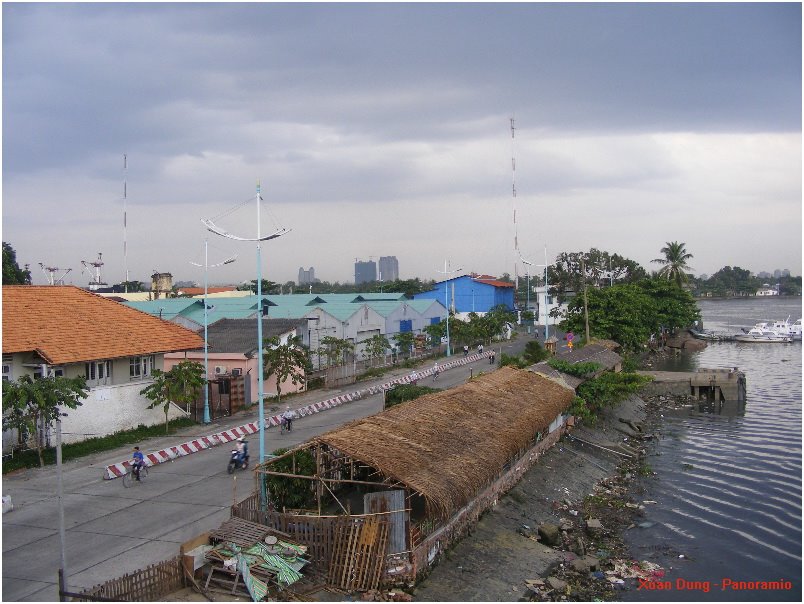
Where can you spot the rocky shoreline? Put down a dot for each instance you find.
(558, 535)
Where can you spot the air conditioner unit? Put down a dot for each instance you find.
(237, 371)
(220, 369)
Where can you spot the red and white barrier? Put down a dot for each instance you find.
(116, 470)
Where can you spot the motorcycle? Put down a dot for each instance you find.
(237, 462)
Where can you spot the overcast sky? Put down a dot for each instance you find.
(384, 130)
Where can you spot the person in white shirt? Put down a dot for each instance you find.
(287, 418)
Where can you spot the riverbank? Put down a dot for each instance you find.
(579, 498)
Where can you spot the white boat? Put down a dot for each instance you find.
(760, 334)
(785, 328)
(796, 329)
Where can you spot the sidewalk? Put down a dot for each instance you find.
(228, 429)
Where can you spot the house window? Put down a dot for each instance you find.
(7, 364)
(98, 372)
(140, 367)
(406, 326)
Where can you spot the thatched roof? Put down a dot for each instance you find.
(449, 445)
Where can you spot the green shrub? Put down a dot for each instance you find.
(513, 361)
(577, 369)
(29, 459)
(609, 388)
(286, 492)
(405, 392)
(535, 352)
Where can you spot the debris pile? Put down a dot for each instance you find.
(588, 535)
(250, 560)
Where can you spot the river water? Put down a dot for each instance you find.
(728, 484)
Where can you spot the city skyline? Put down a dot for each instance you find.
(634, 125)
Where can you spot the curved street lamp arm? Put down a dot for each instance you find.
(211, 226)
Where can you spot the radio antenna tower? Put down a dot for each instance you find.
(96, 283)
(513, 192)
(50, 274)
(125, 194)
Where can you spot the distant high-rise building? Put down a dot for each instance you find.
(306, 277)
(389, 268)
(365, 271)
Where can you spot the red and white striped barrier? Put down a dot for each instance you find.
(116, 470)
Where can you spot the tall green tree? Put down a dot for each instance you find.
(12, 273)
(289, 361)
(181, 385)
(674, 264)
(630, 312)
(603, 269)
(31, 405)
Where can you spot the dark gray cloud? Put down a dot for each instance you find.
(383, 103)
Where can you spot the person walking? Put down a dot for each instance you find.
(435, 371)
(491, 357)
(465, 350)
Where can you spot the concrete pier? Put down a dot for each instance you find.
(706, 384)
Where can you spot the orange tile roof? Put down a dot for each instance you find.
(495, 282)
(199, 291)
(66, 324)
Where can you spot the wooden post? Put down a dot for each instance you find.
(318, 475)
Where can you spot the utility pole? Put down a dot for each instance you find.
(585, 307)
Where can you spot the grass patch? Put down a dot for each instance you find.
(30, 459)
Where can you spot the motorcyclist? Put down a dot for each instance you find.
(242, 449)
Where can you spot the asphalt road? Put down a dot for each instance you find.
(111, 530)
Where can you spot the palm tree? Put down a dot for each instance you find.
(674, 262)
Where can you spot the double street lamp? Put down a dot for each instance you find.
(546, 309)
(446, 273)
(211, 226)
(208, 266)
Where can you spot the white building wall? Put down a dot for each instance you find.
(108, 410)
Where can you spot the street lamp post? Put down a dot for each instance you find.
(527, 264)
(206, 322)
(545, 265)
(283, 231)
(446, 301)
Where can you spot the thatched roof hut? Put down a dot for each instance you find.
(448, 445)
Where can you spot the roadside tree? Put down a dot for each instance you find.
(31, 406)
(405, 340)
(288, 361)
(181, 385)
(376, 347)
(335, 350)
